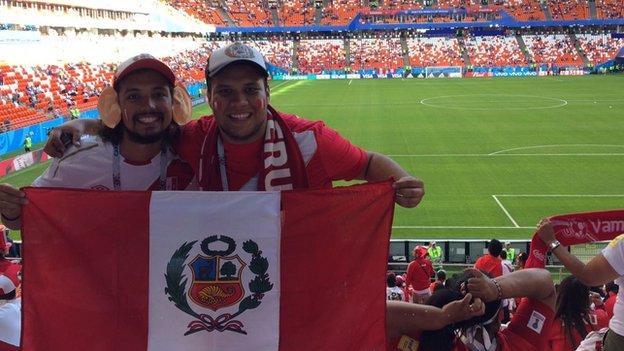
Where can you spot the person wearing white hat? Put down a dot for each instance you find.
(132, 150)
(10, 310)
(248, 145)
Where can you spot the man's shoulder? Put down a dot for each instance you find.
(298, 124)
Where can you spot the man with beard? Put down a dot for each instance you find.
(132, 150)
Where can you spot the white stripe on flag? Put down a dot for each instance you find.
(184, 217)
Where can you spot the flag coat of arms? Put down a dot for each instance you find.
(297, 270)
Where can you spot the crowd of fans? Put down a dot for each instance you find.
(599, 47)
(437, 51)
(316, 56)
(569, 10)
(552, 49)
(610, 9)
(492, 51)
(249, 13)
(380, 53)
(581, 313)
(297, 13)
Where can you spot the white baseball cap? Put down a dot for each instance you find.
(235, 52)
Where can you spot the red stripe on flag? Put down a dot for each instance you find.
(66, 285)
(333, 268)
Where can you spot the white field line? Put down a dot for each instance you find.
(453, 227)
(556, 145)
(559, 195)
(279, 85)
(506, 212)
(350, 81)
(499, 155)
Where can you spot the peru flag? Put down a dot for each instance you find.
(298, 270)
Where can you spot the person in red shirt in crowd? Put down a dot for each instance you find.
(491, 262)
(5, 245)
(574, 318)
(439, 282)
(527, 331)
(612, 290)
(419, 273)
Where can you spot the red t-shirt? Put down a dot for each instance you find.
(328, 156)
(490, 264)
(5, 264)
(419, 274)
(608, 305)
(528, 330)
(558, 340)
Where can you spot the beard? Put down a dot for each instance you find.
(145, 139)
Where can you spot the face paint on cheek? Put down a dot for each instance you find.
(258, 103)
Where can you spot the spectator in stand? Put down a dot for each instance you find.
(511, 252)
(491, 262)
(439, 282)
(506, 263)
(528, 329)
(603, 268)
(435, 255)
(574, 318)
(10, 310)
(419, 273)
(5, 247)
(393, 292)
(612, 290)
(521, 260)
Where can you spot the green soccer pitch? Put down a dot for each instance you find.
(496, 154)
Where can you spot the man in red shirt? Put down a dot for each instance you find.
(491, 262)
(419, 273)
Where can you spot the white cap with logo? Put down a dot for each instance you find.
(235, 52)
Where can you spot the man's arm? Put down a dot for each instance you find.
(409, 190)
(407, 318)
(11, 201)
(55, 146)
(532, 283)
(596, 272)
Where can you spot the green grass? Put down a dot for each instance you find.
(471, 139)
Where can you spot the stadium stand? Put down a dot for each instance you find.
(525, 10)
(569, 10)
(297, 12)
(555, 49)
(378, 53)
(610, 9)
(277, 50)
(600, 47)
(316, 56)
(114, 14)
(201, 10)
(436, 51)
(341, 12)
(249, 13)
(494, 51)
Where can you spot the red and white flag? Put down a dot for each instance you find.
(298, 270)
